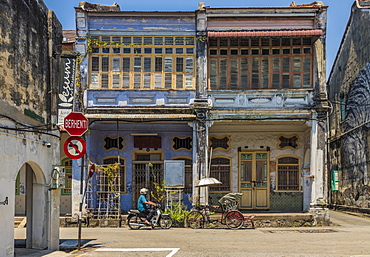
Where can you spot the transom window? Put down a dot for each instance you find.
(260, 63)
(220, 169)
(113, 143)
(182, 143)
(161, 62)
(288, 142)
(222, 143)
(288, 174)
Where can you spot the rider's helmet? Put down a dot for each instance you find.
(143, 191)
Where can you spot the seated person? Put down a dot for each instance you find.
(143, 205)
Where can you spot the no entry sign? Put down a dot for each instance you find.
(76, 124)
(75, 147)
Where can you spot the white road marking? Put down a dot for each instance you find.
(173, 250)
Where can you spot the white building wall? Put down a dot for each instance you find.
(20, 149)
(254, 140)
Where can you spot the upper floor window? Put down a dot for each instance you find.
(342, 107)
(260, 63)
(143, 62)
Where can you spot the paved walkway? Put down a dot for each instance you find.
(340, 221)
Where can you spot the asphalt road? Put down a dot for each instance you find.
(348, 236)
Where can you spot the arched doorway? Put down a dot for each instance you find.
(33, 199)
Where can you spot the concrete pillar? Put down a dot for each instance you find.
(317, 170)
(202, 154)
(54, 207)
(29, 206)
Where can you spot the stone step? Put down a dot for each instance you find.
(20, 222)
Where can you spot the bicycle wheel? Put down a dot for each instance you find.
(134, 222)
(234, 219)
(165, 222)
(195, 219)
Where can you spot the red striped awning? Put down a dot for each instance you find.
(269, 33)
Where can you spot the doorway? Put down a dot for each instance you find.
(254, 181)
(147, 168)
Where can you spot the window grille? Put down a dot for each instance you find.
(220, 143)
(182, 143)
(143, 63)
(260, 63)
(220, 169)
(113, 143)
(288, 174)
(288, 142)
(67, 190)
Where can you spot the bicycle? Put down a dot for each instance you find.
(230, 216)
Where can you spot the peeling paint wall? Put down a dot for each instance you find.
(348, 88)
(30, 41)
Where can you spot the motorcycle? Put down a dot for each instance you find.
(136, 220)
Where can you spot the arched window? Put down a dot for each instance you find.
(288, 173)
(120, 181)
(220, 169)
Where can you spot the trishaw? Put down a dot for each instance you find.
(200, 216)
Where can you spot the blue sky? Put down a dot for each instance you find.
(338, 13)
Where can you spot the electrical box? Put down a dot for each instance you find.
(174, 173)
(334, 180)
(62, 178)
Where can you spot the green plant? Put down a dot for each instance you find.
(159, 188)
(111, 172)
(177, 211)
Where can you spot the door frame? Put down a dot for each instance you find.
(253, 190)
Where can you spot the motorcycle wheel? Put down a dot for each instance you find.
(134, 222)
(165, 222)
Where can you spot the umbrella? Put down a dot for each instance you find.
(207, 182)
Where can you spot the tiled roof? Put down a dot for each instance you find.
(268, 33)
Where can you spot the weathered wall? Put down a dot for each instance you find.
(254, 140)
(349, 136)
(30, 40)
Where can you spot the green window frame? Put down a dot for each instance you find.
(67, 190)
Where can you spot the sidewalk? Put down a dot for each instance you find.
(338, 219)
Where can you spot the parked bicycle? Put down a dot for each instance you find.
(136, 219)
(200, 216)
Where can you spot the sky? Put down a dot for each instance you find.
(338, 13)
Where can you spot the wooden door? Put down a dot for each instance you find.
(254, 180)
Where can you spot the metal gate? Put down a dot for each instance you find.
(143, 176)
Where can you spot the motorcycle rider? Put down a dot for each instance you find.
(143, 206)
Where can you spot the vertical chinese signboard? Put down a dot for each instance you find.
(66, 86)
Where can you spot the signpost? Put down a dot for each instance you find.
(76, 124)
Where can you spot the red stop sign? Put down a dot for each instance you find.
(76, 124)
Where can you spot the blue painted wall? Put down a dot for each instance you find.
(96, 152)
